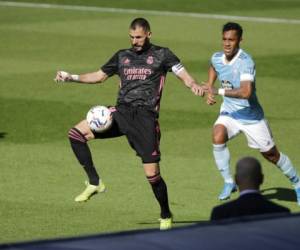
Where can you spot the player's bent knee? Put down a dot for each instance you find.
(75, 135)
(219, 138)
(270, 158)
(272, 155)
(84, 128)
(151, 169)
(219, 135)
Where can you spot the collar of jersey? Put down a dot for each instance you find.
(233, 59)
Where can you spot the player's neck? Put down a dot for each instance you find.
(248, 186)
(229, 58)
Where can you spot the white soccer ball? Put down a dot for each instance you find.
(99, 118)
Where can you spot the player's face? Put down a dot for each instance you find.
(231, 43)
(139, 38)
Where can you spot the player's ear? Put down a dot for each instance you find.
(149, 34)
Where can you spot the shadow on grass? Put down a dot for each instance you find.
(2, 135)
(282, 194)
(177, 222)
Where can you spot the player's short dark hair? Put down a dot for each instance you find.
(233, 26)
(140, 22)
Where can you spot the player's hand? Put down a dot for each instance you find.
(62, 76)
(210, 99)
(210, 91)
(197, 90)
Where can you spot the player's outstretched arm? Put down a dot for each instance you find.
(209, 85)
(189, 81)
(93, 77)
(243, 92)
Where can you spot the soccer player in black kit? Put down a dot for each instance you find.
(142, 70)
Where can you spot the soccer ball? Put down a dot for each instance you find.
(99, 118)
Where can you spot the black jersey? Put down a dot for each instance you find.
(142, 75)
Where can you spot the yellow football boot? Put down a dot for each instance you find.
(89, 191)
(165, 224)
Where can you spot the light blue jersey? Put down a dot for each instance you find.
(230, 75)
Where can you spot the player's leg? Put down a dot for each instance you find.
(259, 136)
(143, 134)
(78, 136)
(159, 188)
(222, 131)
(283, 162)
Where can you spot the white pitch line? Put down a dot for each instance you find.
(148, 12)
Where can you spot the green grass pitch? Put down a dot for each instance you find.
(40, 176)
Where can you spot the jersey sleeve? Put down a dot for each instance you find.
(111, 67)
(170, 60)
(247, 70)
(212, 61)
(214, 58)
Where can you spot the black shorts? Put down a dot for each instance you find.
(141, 128)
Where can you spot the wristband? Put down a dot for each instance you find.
(75, 78)
(221, 92)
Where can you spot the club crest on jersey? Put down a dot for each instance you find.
(126, 61)
(149, 60)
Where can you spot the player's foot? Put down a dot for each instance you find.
(166, 223)
(89, 191)
(297, 190)
(227, 190)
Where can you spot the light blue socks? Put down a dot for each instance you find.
(222, 159)
(286, 166)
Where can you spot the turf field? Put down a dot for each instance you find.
(39, 174)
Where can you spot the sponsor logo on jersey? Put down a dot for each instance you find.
(226, 84)
(137, 73)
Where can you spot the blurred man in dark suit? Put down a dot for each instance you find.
(248, 177)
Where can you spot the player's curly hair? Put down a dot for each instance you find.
(233, 26)
(140, 22)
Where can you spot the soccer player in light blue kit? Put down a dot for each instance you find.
(240, 110)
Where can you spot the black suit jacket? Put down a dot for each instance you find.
(247, 204)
